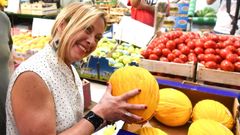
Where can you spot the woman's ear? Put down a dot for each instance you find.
(63, 24)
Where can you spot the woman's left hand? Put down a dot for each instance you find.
(114, 108)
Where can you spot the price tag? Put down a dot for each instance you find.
(134, 32)
(13, 6)
(42, 27)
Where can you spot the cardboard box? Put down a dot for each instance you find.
(89, 69)
(179, 8)
(194, 95)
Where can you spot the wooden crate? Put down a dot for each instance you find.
(178, 69)
(217, 76)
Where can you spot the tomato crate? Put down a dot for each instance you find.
(169, 69)
(218, 77)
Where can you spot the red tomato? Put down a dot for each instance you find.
(153, 57)
(183, 37)
(163, 59)
(209, 51)
(200, 57)
(222, 37)
(217, 50)
(157, 51)
(219, 45)
(213, 37)
(237, 66)
(198, 50)
(227, 43)
(238, 59)
(227, 65)
(179, 46)
(232, 38)
(178, 41)
(202, 62)
(176, 52)
(238, 51)
(151, 46)
(165, 51)
(192, 54)
(187, 40)
(161, 45)
(171, 56)
(224, 52)
(237, 44)
(218, 59)
(177, 60)
(210, 44)
(163, 39)
(192, 58)
(170, 45)
(183, 57)
(199, 43)
(204, 39)
(146, 53)
(232, 57)
(169, 36)
(191, 44)
(210, 57)
(179, 33)
(185, 50)
(230, 48)
(211, 64)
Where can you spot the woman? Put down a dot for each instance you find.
(5, 51)
(45, 93)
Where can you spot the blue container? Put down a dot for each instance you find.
(201, 88)
(124, 132)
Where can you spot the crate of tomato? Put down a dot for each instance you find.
(171, 54)
(220, 60)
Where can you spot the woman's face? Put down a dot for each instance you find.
(86, 41)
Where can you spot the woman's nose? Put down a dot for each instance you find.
(91, 40)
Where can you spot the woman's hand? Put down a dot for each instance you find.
(114, 108)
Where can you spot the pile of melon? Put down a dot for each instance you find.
(207, 116)
(169, 106)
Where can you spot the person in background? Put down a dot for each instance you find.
(224, 23)
(143, 10)
(5, 49)
(45, 94)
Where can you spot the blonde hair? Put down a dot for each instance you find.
(3, 3)
(77, 16)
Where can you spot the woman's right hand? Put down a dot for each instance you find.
(114, 108)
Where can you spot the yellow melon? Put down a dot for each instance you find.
(211, 109)
(131, 77)
(208, 127)
(150, 131)
(174, 107)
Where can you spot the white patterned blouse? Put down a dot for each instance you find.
(64, 85)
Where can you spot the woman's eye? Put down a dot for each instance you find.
(98, 37)
(89, 30)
